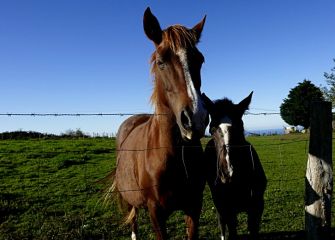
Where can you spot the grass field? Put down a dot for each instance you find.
(49, 190)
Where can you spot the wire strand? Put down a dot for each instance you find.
(103, 114)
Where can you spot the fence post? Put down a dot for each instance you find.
(319, 176)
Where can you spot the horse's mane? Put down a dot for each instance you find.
(223, 103)
(178, 36)
(174, 37)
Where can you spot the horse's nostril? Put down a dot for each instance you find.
(185, 119)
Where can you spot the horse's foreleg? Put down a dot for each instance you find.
(232, 225)
(134, 227)
(158, 219)
(132, 220)
(254, 219)
(192, 224)
(192, 215)
(229, 220)
(222, 225)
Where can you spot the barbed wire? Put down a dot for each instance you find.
(72, 114)
(261, 113)
(104, 114)
(113, 150)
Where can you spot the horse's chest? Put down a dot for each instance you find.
(180, 173)
(181, 180)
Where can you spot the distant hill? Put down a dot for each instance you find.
(21, 135)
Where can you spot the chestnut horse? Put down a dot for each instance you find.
(235, 175)
(159, 156)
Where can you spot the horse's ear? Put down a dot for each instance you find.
(244, 104)
(208, 103)
(198, 28)
(151, 27)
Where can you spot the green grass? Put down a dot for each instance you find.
(49, 190)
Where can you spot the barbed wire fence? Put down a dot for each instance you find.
(280, 181)
(105, 114)
(119, 114)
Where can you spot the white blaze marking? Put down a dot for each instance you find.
(226, 123)
(224, 126)
(189, 83)
(199, 111)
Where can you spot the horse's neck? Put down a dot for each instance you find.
(239, 140)
(165, 124)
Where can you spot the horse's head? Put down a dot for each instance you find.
(227, 130)
(176, 65)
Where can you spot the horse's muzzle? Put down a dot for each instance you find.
(186, 124)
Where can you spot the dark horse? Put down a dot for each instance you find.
(159, 156)
(235, 175)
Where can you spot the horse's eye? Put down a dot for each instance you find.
(160, 63)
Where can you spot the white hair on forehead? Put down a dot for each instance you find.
(199, 110)
(225, 124)
(192, 93)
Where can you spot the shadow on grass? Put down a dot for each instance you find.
(11, 204)
(66, 163)
(298, 235)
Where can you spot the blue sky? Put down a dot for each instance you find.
(80, 56)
